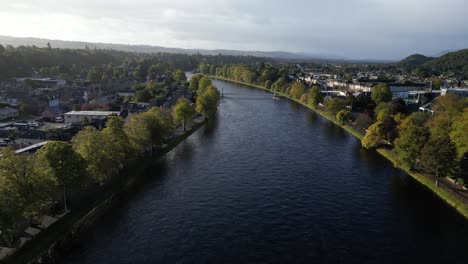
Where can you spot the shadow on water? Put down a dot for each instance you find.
(153, 176)
(312, 118)
(210, 127)
(332, 131)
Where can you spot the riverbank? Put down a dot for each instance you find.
(446, 194)
(51, 243)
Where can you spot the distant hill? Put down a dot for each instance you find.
(414, 61)
(452, 62)
(39, 42)
(455, 62)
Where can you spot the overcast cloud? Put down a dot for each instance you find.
(362, 29)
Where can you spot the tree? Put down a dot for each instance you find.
(268, 84)
(65, 165)
(98, 153)
(373, 136)
(114, 132)
(315, 96)
(438, 157)
(203, 84)
(459, 134)
(142, 96)
(2, 49)
(411, 140)
(207, 102)
(334, 105)
(363, 121)
(194, 82)
(183, 112)
(297, 89)
(148, 129)
(154, 71)
(30, 188)
(381, 93)
(179, 76)
(343, 116)
(436, 83)
(94, 74)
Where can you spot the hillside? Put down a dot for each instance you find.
(414, 61)
(452, 62)
(39, 42)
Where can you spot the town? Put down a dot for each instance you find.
(141, 104)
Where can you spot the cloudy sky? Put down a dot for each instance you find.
(360, 29)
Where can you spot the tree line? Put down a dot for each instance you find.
(31, 185)
(23, 61)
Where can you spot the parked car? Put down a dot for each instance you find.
(34, 124)
(59, 119)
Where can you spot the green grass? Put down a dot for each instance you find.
(445, 195)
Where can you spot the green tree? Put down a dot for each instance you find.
(438, 157)
(459, 134)
(179, 76)
(344, 116)
(147, 129)
(297, 89)
(410, 141)
(114, 132)
(194, 81)
(154, 71)
(30, 188)
(268, 84)
(334, 105)
(98, 154)
(142, 95)
(373, 136)
(94, 74)
(65, 165)
(183, 112)
(203, 84)
(207, 102)
(315, 96)
(381, 93)
(363, 121)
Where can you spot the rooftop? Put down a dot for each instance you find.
(93, 113)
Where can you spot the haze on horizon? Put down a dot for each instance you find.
(354, 29)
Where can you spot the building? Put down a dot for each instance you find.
(76, 117)
(8, 113)
(402, 89)
(460, 92)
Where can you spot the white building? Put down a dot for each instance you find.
(75, 117)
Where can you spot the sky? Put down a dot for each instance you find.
(354, 29)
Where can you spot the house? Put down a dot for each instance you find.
(76, 117)
(8, 113)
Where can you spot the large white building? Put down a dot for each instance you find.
(75, 117)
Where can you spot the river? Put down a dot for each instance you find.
(269, 181)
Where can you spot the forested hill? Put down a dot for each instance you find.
(413, 61)
(456, 62)
(39, 42)
(450, 63)
(22, 61)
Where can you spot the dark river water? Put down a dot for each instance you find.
(269, 181)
